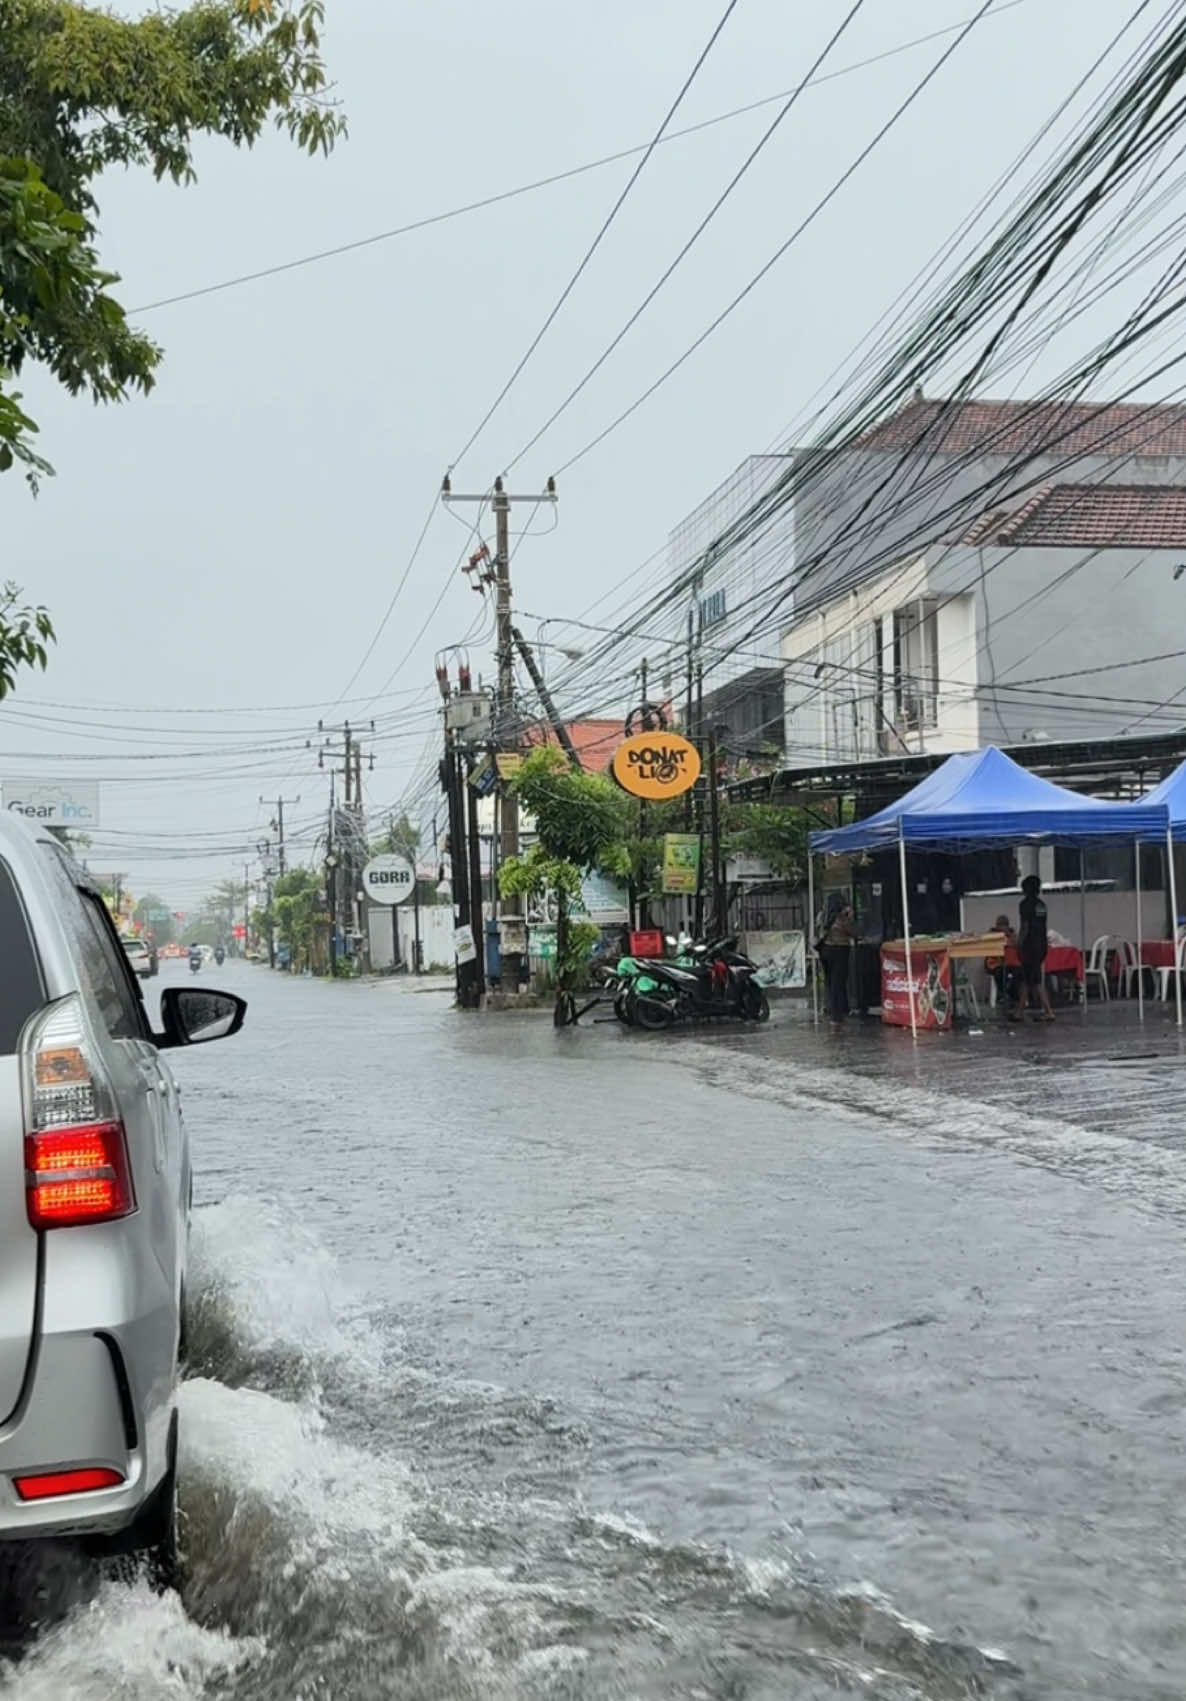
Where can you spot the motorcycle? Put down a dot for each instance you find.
(219, 955)
(720, 981)
(629, 979)
(195, 962)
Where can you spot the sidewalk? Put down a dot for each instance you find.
(1100, 1067)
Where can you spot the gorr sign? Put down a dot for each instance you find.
(388, 879)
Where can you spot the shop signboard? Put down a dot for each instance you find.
(463, 944)
(60, 803)
(388, 879)
(656, 765)
(681, 862)
(604, 898)
(928, 986)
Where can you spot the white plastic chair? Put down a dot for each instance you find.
(1096, 967)
(1131, 966)
(1166, 975)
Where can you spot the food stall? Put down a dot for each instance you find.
(976, 800)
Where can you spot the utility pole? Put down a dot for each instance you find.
(468, 975)
(278, 829)
(246, 907)
(408, 849)
(331, 879)
(265, 852)
(501, 501)
(714, 807)
(475, 876)
(698, 921)
(563, 737)
(644, 908)
(342, 744)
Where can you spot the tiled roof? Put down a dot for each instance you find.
(594, 741)
(1090, 516)
(1009, 428)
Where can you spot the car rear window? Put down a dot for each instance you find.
(22, 990)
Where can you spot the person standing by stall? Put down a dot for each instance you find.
(1032, 944)
(834, 948)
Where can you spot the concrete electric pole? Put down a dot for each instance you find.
(506, 732)
(278, 829)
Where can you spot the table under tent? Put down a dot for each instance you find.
(984, 800)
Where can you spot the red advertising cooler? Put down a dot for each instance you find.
(648, 942)
(927, 985)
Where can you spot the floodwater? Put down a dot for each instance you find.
(597, 1365)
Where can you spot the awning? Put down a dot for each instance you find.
(1171, 796)
(985, 800)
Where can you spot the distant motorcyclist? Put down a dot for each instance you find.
(219, 955)
(195, 957)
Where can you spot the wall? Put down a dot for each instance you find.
(1106, 912)
(1062, 613)
(742, 573)
(871, 508)
(436, 934)
(833, 716)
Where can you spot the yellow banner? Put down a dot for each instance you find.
(681, 862)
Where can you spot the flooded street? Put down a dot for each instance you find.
(585, 1365)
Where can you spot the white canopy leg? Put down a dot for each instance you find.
(906, 932)
(811, 957)
(1140, 939)
(1169, 845)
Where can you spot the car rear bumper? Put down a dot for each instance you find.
(81, 1409)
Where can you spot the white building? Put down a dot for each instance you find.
(932, 620)
(721, 560)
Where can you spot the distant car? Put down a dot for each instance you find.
(95, 1196)
(137, 954)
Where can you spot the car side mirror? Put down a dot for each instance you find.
(194, 1015)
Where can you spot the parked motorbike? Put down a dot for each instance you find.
(627, 980)
(718, 982)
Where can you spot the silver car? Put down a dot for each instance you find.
(138, 957)
(95, 1193)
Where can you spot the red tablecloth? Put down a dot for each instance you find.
(1157, 953)
(1060, 960)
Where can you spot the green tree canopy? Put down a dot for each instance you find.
(297, 907)
(25, 633)
(82, 90)
(581, 818)
(581, 821)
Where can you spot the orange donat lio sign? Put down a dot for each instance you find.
(656, 764)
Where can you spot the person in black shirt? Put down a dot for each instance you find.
(834, 934)
(1032, 945)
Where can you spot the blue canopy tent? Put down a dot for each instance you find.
(1170, 795)
(985, 800)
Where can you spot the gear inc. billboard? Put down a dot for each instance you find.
(53, 803)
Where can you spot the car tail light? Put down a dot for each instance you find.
(50, 1483)
(76, 1157)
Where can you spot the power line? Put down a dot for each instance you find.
(543, 182)
(597, 240)
(759, 145)
(779, 252)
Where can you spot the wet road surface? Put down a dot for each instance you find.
(598, 1365)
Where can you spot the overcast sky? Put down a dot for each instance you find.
(230, 543)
